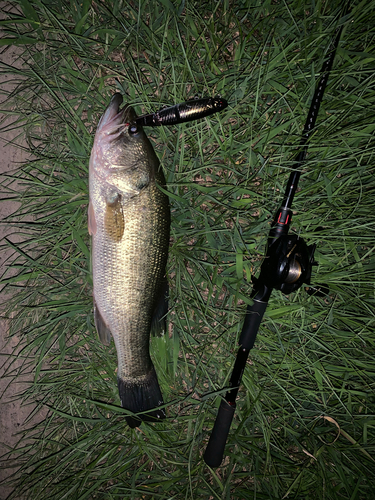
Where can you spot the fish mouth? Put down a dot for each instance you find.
(114, 119)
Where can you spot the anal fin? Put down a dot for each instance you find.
(104, 332)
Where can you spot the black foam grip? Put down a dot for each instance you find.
(213, 455)
(253, 318)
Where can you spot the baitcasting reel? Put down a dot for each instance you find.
(287, 264)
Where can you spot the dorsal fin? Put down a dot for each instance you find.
(159, 320)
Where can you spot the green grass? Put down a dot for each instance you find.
(304, 424)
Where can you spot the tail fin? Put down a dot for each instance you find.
(139, 395)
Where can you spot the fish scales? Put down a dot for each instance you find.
(129, 220)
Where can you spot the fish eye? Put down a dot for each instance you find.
(133, 129)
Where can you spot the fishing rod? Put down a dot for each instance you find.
(286, 266)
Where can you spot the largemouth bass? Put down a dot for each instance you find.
(129, 221)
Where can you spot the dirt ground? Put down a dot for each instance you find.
(12, 413)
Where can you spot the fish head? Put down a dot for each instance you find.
(122, 153)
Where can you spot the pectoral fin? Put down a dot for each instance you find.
(103, 331)
(114, 222)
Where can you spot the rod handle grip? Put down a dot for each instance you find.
(213, 455)
(253, 318)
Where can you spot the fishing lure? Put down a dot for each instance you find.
(183, 112)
